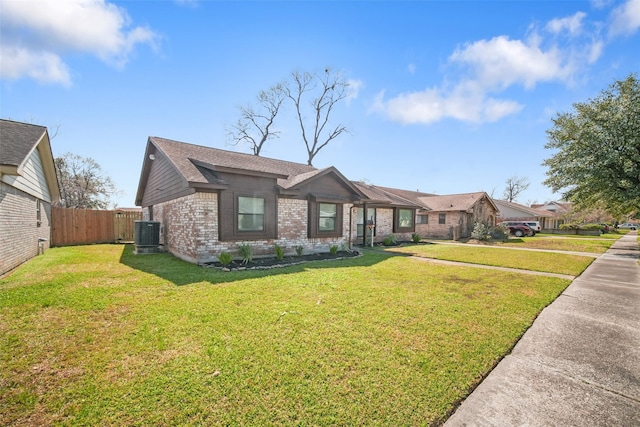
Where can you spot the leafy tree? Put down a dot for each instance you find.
(83, 184)
(255, 123)
(325, 90)
(597, 162)
(514, 186)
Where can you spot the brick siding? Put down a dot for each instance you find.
(19, 231)
(189, 229)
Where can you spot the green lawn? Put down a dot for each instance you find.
(95, 335)
(500, 257)
(596, 245)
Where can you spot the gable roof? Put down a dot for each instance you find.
(386, 195)
(455, 202)
(198, 165)
(18, 141)
(426, 201)
(522, 210)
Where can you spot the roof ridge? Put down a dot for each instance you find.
(230, 152)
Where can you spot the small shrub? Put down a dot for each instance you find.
(279, 252)
(499, 233)
(225, 258)
(391, 239)
(592, 227)
(568, 227)
(415, 238)
(333, 249)
(246, 252)
(480, 232)
(299, 250)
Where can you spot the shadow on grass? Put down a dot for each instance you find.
(180, 273)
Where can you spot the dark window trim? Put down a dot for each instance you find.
(442, 218)
(237, 215)
(396, 221)
(314, 219)
(228, 226)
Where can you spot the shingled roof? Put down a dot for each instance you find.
(198, 165)
(453, 202)
(17, 141)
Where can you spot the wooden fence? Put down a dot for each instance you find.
(84, 226)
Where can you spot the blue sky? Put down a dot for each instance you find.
(447, 97)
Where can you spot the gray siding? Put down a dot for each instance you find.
(164, 183)
(32, 181)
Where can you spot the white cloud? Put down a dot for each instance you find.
(572, 24)
(433, 105)
(44, 31)
(557, 51)
(43, 67)
(501, 62)
(411, 68)
(625, 19)
(354, 90)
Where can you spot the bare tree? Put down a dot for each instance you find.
(325, 91)
(255, 124)
(514, 186)
(83, 185)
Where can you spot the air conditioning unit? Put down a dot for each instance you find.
(146, 237)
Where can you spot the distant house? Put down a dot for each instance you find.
(28, 187)
(548, 218)
(210, 201)
(433, 216)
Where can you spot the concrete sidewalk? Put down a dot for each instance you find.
(579, 363)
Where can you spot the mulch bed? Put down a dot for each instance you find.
(272, 262)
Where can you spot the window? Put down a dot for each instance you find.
(405, 218)
(423, 219)
(38, 213)
(325, 219)
(442, 218)
(327, 215)
(250, 214)
(371, 216)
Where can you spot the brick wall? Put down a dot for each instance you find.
(19, 231)
(434, 230)
(384, 228)
(189, 229)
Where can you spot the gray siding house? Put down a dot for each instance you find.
(28, 187)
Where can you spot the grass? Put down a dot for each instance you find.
(526, 260)
(95, 335)
(593, 245)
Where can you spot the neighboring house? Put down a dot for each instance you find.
(210, 201)
(28, 187)
(404, 212)
(548, 219)
(558, 212)
(454, 216)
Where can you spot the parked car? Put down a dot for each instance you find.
(534, 226)
(520, 230)
(629, 226)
